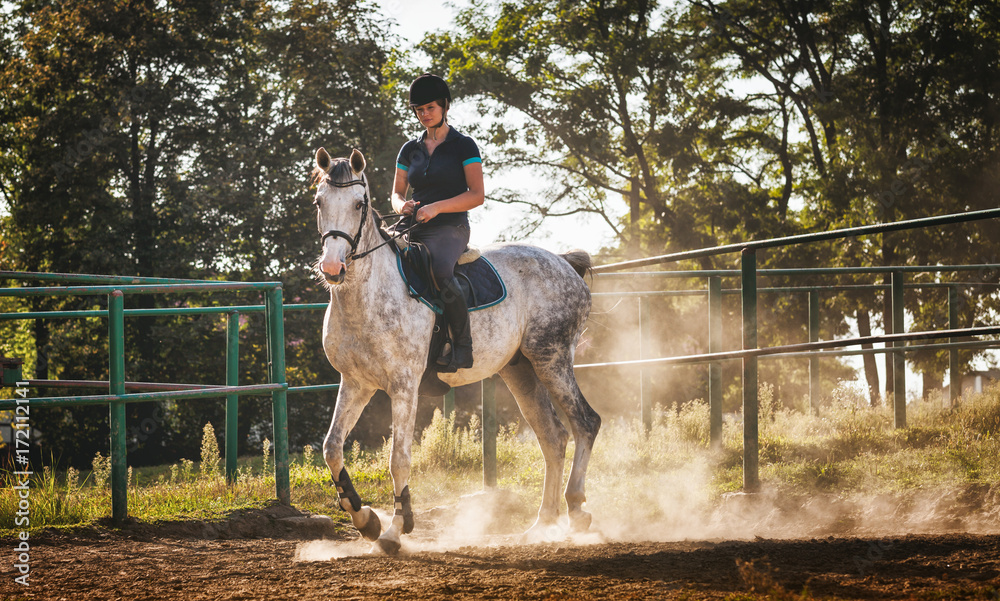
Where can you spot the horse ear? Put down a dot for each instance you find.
(323, 161)
(357, 161)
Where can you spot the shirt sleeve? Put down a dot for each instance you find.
(403, 158)
(470, 152)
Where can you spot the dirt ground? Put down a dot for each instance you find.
(280, 553)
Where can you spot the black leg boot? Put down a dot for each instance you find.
(457, 315)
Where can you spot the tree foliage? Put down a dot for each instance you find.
(721, 121)
(174, 139)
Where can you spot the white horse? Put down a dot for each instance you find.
(377, 337)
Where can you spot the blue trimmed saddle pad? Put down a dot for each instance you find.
(482, 285)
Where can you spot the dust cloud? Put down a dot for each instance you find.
(680, 506)
(661, 487)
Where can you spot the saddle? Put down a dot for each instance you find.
(481, 284)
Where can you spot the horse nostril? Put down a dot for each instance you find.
(338, 278)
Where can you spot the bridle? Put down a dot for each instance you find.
(363, 182)
(364, 206)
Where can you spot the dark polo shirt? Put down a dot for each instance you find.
(442, 175)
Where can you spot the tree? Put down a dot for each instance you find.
(894, 100)
(717, 122)
(608, 103)
(175, 140)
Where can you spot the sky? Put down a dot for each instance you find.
(414, 19)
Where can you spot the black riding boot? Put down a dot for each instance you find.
(457, 315)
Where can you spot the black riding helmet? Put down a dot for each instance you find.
(428, 88)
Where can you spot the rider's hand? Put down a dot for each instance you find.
(409, 207)
(425, 214)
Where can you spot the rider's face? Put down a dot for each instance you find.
(429, 114)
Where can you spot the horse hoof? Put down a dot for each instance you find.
(388, 546)
(580, 521)
(373, 527)
(542, 533)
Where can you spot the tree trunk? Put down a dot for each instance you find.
(635, 246)
(932, 380)
(41, 331)
(871, 368)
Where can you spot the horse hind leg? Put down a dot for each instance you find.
(536, 407)
(351, 401)
(585, 423)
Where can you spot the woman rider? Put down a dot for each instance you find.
(445, 171)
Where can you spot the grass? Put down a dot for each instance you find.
(666, 473)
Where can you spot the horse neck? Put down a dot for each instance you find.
(370, 277)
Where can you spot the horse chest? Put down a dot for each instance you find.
(380, 342)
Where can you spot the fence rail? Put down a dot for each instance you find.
(749, 355)
(115, 288)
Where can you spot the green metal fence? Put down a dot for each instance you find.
(115, 288)
(119, 389)
(749, 354)
(715, 293)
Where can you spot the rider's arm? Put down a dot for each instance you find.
(399, 186)
(470, 199)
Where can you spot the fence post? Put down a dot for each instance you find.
(898, 358)
(232, 400)
(448, 403)
(954, 375)
(714, 368)
(489, 433)
(814, 359)
(748, 273)
(279, 398)
(645, 387)
(116, 385)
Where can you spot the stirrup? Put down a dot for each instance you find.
(453, 366)
(447, 353)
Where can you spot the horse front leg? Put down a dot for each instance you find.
(351, 401)
(404, 415)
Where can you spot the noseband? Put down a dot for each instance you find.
(364, 216)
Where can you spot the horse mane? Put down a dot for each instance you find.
(340, 171)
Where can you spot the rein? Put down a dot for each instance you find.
(364, 217)
(398, 234)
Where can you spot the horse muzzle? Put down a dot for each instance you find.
(336, 278)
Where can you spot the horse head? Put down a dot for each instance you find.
(342, 204)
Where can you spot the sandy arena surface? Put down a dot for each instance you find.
(280, 553)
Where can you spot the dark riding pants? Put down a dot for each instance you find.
(446, 244)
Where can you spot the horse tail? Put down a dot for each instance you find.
(580, 261)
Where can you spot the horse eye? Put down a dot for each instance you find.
(359, 205)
